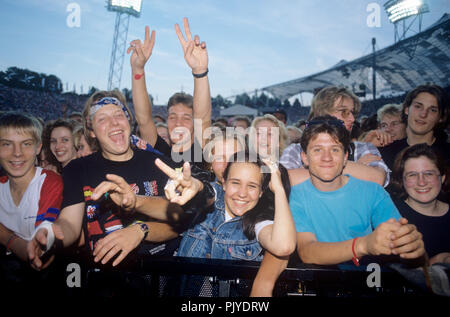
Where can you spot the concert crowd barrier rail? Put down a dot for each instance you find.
(162, 277)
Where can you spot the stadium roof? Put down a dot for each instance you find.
(419, 59)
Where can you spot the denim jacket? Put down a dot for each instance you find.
(216, 239)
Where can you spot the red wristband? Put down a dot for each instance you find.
(355, 259)
(10, 241)
(138, 76)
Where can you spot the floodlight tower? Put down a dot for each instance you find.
(124, 9)
(403, 10)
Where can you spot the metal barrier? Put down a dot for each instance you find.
(192, 277)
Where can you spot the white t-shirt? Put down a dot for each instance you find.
(41, 201)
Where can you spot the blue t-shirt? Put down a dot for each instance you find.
(354, 210)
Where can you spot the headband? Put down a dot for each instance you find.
(107, 101)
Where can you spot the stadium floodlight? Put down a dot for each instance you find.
(398, 10)
(132, 7)
(124, 9)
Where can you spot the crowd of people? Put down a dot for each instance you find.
(112, 186)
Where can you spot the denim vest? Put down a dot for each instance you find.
(216, 239)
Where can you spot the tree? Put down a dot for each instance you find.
(219, 102)
(26, 79)
(244, 99)
(274, 103)
(296, 103)
(261, 101)
(286, 103)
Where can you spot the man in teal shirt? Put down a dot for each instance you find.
(339, 217)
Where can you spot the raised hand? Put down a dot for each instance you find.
(141, 52)
(119, 190)
(181, 186)
(195, 52)
(275, 177)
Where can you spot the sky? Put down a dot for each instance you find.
(251, 43)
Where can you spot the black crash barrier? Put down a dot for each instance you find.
(163, 277)
(194, 277)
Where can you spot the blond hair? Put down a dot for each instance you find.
(282, 132)
(323, 102)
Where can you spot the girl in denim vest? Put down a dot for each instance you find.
(250, 211)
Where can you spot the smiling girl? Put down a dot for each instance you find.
(58, 142)
(420, 177)
(250, 212)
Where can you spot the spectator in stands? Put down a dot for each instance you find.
(281, 115)
(268, 137)
(29, 195)
(219, 149)
(158, 119)
(77, 117)
(163, 132)
(333, 225)
(420, 175)
(183, 109)
(356, 131)
(364, 158)
(110, 230)
(81, 143)
(241, 124)
(44, 162)
(425, 112)
(371, 133)
(223, 121)
(294, 134)
(301, 124)
(390, 120)
(251, 205)
(61, 142)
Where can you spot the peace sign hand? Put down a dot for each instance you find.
(195, 52)
(141, 52)
(181, 187)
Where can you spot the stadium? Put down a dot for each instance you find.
(384, 77)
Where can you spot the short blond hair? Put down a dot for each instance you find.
(22, 122)
(389, 109)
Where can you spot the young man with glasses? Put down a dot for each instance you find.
(364, 158)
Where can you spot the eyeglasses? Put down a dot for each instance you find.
(393, 124)
(428, 176)
(345, 113)
(335, 122)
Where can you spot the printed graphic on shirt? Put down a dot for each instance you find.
(151, 188)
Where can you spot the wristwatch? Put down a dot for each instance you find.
(143, 226)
